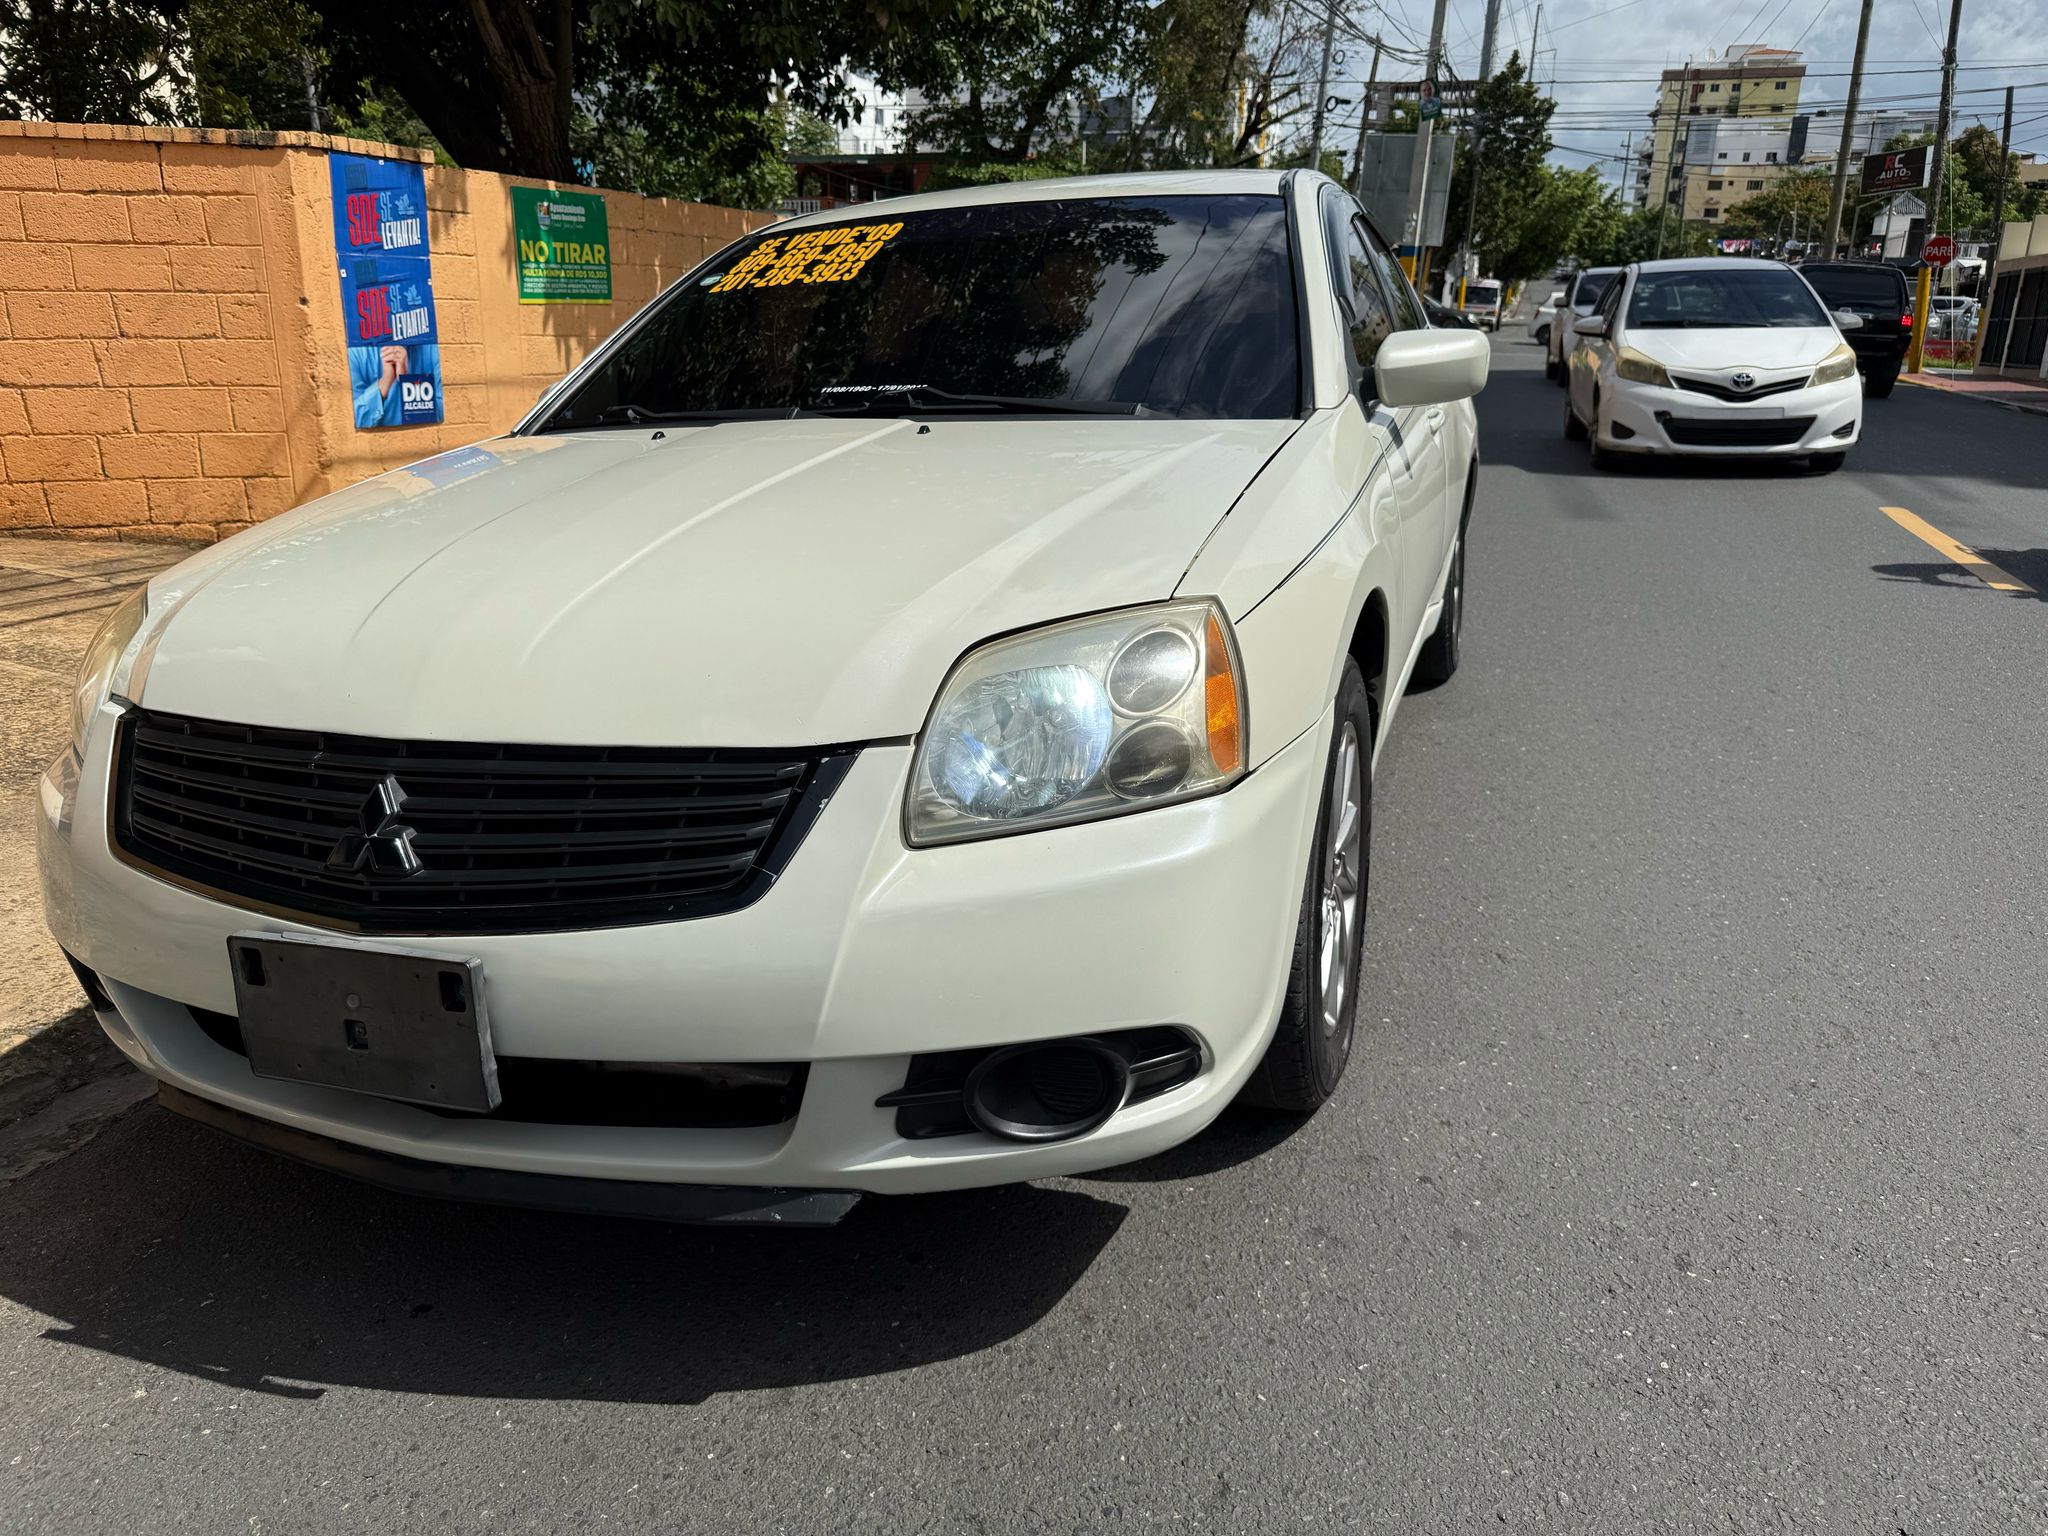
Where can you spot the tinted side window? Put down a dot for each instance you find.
(1407, 307)
(1372, 316)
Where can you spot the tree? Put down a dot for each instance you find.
(1642, 235)
(1511, 126)
(1793, 206)
(91, 61)
(1564, 203)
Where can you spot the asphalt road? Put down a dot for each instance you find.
(1688, 1177)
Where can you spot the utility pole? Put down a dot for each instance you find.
(1940, 156)
(1315, 138)
(1674, 160)
(1998, 239)
(1418, 171)
(1535, 27)
(1365, 107)
(1828, 251)
(1628, 162)
(1466, 260)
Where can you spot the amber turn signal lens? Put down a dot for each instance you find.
(1226, 745)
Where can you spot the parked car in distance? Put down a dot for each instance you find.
(1952, 316)
(1882, 298)
(1713, 357)
(1444, 316)
(900, 716)
(1546, 313)
(1482, 301)
(1583, 291)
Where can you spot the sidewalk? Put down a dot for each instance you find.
(59, 1077)
(2029, 395)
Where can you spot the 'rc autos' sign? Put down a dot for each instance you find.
(1899, 170)
(565, 254)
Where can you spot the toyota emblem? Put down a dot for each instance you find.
(1743, 380)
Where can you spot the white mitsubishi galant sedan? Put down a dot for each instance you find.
(901, 716)
(1717, 356)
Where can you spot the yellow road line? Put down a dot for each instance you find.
(1992, 577)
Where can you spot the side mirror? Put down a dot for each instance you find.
(1590, 325)
(1431, 367)
(1848, 320)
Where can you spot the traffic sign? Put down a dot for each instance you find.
(1939, 250)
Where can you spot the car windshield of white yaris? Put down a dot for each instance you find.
(1170, 306)
(1741, 296)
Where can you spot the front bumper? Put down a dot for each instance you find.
(1656, 420)
(863, 954)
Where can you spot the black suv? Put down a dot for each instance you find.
(1880, 296)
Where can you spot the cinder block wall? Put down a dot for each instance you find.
(172, 360)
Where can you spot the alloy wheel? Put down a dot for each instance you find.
(1343, 896)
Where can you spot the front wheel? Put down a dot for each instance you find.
(1319, 1014)
(1574, 429)
(1438, 658)
(1550, 369)
(1878, 386)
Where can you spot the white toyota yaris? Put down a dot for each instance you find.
(900, 717)
(1715, 356)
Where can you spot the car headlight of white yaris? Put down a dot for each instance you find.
(1089, 718)
(1640, 368)
(1838, 365)
(101, 664)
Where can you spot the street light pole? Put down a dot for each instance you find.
(1466, 260)
(1915, 353)
(1418, 172)
(1315, 138)
(1848, 132)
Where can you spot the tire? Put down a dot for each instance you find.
(1826, 463)
(1550, 369)
(1574, 429)
(1878, 386)
(1597, 455)
(1319, 1014)
(1543, 337)
(1438, 658)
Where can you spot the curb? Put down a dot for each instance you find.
(1964, 394)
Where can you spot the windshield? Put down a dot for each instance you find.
(1170, 306)
(1696, 298)
(1591, 286)
(1869, 286)
(1482, 293)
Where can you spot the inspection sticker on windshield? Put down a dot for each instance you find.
(831, 255)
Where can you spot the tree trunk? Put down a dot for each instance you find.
(532, 89)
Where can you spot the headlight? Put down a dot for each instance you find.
(1089, 718)
(1633, 365)
(103, 655)
(1838, 365)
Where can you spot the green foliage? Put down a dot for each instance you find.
(1796, 202)
(1523, 210)
(91, 61)
(1635, 236)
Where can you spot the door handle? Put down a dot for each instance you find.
(1436, 419)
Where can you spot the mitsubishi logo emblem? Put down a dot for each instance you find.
(1742, 380)
(379, 842)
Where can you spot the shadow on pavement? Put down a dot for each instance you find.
(2028, 565)
(164, 1243)
(1238, 1135)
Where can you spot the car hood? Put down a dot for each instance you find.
(781, 583)
(1763, 347)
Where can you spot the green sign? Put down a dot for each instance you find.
(565, 247)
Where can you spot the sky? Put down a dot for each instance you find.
(1601, 58)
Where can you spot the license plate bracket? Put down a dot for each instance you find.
(397, 1024)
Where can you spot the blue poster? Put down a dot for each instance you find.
(387, 290)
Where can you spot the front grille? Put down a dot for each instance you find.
(503, 839)
(1776, 432)
(1721, 391)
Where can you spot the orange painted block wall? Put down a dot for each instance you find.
(171, 353)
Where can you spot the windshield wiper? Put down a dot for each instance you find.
(629, 415)
(925, 397)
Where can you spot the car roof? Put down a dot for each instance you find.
(1705, 263)
(1058, 188)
